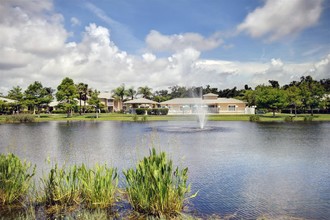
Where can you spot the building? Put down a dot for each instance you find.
(111, 104)
(210, 102)
(131, 105)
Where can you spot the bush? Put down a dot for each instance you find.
(157, 111)
(308, 118)
(22, 118)
(140, 111)
(289, 118)
(59, 111)
(254, 118)
(15, 179)
(155, 188)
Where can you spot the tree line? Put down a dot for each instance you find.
(304, 95)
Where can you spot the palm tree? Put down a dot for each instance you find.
(82, 89)
(119, 93)
(131, 92)
(145, 91)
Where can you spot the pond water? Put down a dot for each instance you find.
(238, 168)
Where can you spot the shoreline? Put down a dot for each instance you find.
(127, 117)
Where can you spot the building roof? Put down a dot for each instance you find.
(105, 95)
(190, 101)
(7, 100)
(140, 101)
(210, 95)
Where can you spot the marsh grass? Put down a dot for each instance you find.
(15, 180)
(155, 188)
(61, 189)
(21, 118)
(99, 186)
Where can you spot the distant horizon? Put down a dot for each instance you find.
(107, 43)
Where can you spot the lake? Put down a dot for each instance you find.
(238, 168)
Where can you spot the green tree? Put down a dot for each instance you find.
(311, 93)
(119, 93)
(250, 97)
(66, 93)
(145, 91)
(37, 96)
(131, 92)
(294, 98)
(82, 90)
(94, 101)
(16, 94)
(270, 98)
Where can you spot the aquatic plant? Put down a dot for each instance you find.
(61, 187)
(22, 118)
(15, 179)
(254, 118)
(289, 118)
(99, 186)
(155, 188)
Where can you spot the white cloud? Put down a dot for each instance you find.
(98, 61)
(75, 21)
(280, 18)
(159, 42)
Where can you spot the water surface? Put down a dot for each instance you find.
(242, 168)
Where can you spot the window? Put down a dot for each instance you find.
(231, 107)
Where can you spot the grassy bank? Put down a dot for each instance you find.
(127, 117)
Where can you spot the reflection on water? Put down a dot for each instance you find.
(242, 168)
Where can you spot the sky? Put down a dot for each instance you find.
(161, 43)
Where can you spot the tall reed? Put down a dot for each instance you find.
(155, 188)
(99, 186)
(15, 179)
(61, 187)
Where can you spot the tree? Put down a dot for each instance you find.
(250, 97)
(270, 98)
(94, 101)
(294, 98)
(16, 94)
(145, 92)
(36, 96)
(311, 93)
(178, 92)
(161, 96)
(131, 92)
(66, 93)
(274, 84)
(119, 93)
(82, 90)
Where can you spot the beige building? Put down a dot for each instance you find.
(110, 103)
(210, 102)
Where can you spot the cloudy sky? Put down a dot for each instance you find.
(162, 43)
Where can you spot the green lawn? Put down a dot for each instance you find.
(127, 117)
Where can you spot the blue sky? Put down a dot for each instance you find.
(163, 43)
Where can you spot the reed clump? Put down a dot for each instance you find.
(15, 180)
(254, 118)
(99, 186)
(155, 188)
(61, 188)
(20, 118)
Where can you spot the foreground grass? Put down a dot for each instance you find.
(127, 117)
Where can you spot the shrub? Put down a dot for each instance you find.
(22, 118)
(99, 186)
(140, 111)
(254, 118)
(155, 188)
(135, 118)
(157, 111)
(15, 179)
(308, 118)
(59, 111)
(289, 119)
